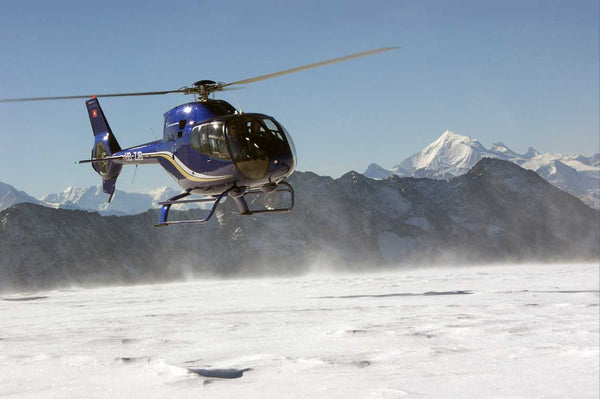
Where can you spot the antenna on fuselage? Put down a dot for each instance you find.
(238, 104)
(134, 173)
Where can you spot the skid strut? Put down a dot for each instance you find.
(234, 192)
(243, 206)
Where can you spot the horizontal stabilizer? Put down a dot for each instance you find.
(99, 159)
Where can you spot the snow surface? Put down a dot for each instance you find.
(526, 331)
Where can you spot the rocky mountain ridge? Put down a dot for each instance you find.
(497, 212)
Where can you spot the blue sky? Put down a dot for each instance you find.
(520, 72)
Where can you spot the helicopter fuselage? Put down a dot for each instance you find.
(208, 147)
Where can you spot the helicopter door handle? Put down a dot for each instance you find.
(209, 160)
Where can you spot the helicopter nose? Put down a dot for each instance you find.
(281, 168)
(280, 165)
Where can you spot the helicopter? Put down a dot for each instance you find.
(211, 149)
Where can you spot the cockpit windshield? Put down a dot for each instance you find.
(253, 139)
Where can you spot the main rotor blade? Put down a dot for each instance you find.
(315, 65)
(217, 87)
(143, 93)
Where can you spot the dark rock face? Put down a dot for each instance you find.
(496, 212)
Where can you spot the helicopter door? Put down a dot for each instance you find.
(249, 145)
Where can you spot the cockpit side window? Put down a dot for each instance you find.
(210, 140)
(273, 129)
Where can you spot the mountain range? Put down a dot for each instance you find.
(94, 199)
(90, 198)
(496, 212)
(452, 155)
(449, 156)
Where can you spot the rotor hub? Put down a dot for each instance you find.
(203, 88)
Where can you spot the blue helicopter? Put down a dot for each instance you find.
(209, 147)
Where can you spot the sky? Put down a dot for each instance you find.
(523, 72)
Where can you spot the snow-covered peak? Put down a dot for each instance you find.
(501, 150)
(531, 152)
(10, 196)
(5, 188)
(162, 193)
(72, 194)
(451, 152)
(93, 198)
(450, 135)
(499, 146)
(375, 171)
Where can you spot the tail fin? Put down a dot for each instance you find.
(105, 144)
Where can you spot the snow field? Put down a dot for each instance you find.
(522, 331)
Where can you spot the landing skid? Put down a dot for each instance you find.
(233, 192)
